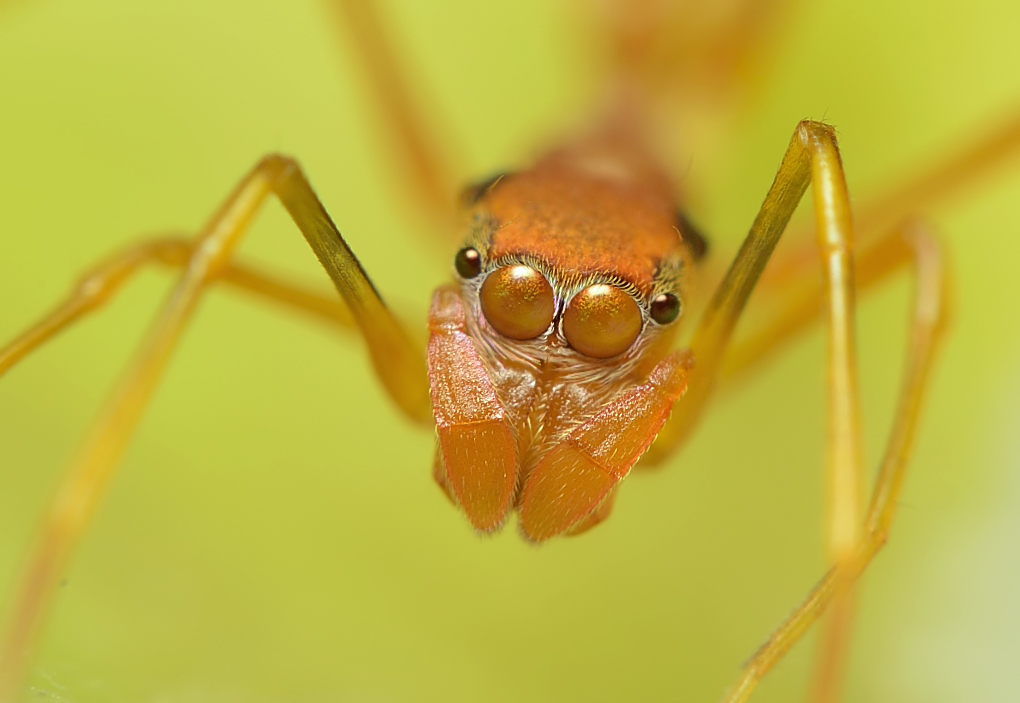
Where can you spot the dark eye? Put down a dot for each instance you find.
(665, 308)
(468, 262)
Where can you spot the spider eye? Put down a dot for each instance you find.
(468, 262)
(665, 308)
(601, 321)
(517, 301)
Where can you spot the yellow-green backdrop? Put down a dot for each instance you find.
(274, 533)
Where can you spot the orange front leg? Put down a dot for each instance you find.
(477, 450)
(577, 475)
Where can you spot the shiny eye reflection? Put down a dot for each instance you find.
(602, 321)
(468, 262)
(518, 301)
(665, 308)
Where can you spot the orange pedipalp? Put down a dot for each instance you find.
(476, 446)
(572, 480)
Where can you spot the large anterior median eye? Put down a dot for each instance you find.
(517, 301)
(601, 321)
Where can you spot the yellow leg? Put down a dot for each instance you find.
(894, 250)
(98, 286)
(426, 162)
(882, 247)
(844, 452)
(928, 325)
(931, 187)
(400, 366)
(802, 302)
(845, 468)
(830, 657)
(881, 251)
(812, 158)
(712, 336)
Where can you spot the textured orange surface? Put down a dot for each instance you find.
(601, 321)
(597, 208)
(518, 301)
(478, 449)
(570, 482)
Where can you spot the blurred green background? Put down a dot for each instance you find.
(274, 533)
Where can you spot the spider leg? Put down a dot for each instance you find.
(398, 363)
(801, 305)
(910, 244)
(812, 158)
(793, 293)
(933, 185)
(790, 294)
(690, 49)
(713, 334)
(928, 323)
(427, 157)
(99, 285)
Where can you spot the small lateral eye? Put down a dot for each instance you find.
(601, 321)
(517, 301)
(665, 308)
(468, 262)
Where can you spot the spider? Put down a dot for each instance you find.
(347, 230)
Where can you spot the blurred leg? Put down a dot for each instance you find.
(802, 303)
(693, 50)
(103, 282)
(399, 364)
(427, 160)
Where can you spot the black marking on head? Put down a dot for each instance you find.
(476, 192)
(479, 234)
(692, 236)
